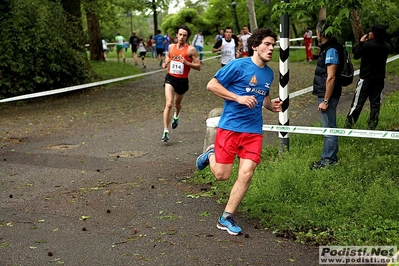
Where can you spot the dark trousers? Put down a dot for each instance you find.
(366, 89)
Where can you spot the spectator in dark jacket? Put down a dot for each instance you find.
(327, 88)
(374, 51)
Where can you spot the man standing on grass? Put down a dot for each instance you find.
(374, 51)
(327, 88)
(198, 43)
(180, 58)
(307, 37)
(244, 84)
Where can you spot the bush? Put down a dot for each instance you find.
(38, 50)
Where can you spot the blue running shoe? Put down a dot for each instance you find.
(203, 159)
(229, 225)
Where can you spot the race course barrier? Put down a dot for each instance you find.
(342, 132)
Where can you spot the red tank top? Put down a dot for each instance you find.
(176, 68)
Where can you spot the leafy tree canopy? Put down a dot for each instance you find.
(37, 51)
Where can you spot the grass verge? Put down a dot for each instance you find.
(353, 203)
(108, 70)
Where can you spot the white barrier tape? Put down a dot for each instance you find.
(99, 83)
(343, 132)
(79, 87)
(392, 58)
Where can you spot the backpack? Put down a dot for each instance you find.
(346, 75)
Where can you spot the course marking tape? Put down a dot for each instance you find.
(99, 83)
(343, 132)
(83, 86)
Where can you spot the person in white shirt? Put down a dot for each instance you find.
(244, 41)
(105, 49)
(198, 43)
(227, 46)
(142, 50)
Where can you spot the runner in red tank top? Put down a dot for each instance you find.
(181, 58)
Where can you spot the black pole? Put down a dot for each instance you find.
(237, 27)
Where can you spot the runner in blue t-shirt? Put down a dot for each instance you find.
(244, 84)
(160, 46)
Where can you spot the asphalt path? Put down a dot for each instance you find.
(85, 180)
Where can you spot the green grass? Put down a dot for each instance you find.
(354, 203)
(109, 70)
(393, 67)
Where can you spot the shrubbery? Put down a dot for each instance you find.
(38, 49)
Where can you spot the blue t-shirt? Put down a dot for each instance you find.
(167, 43)
(332, 57)
(159, 41)
(244, 78)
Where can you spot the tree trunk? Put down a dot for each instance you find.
(155, 16)
(323, 13)
(252, 16)
(95, 38)
(357, 27)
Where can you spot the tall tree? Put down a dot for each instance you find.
(155, 15)
(93, 26)
(252, 15)
(357, 27)
(339, 11)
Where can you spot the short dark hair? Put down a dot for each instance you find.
(379, 33)
(183, 27)
(322, 26)
(257, 36)
(228, 28)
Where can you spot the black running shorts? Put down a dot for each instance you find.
(180, 85)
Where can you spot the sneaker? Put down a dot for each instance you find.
(165, 136)
(124, 60)
(160, 63)
(203, 159)
(228, 225)
(175, 122)
(144, 66)
(321, 165)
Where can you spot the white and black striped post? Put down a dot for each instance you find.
(284, 79)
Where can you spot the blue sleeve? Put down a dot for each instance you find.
(332, 57)
(227, 74)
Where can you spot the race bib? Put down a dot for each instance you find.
(176, 67)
